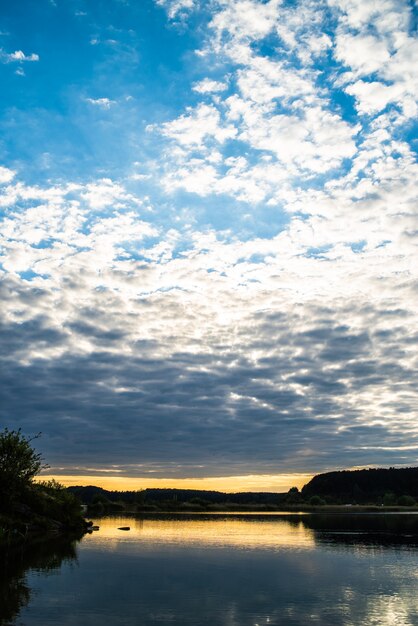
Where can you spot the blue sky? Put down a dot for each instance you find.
(208, 238)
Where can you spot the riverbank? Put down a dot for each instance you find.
(32, 511)
(40, 513)
(341, 509)
(16, 534)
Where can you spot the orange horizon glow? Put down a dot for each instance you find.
(276, 483)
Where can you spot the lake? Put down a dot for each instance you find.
(221, 570)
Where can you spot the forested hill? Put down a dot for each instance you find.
(364, 486)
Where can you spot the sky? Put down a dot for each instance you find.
(208, 239)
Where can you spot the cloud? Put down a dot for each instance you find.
(365, 54)
(6, 175)
(265, 81)
(215, 408)
(18, 56)
(246, 19)
(174, 7)
(198, 124)
(373, 96)
(103, 103)
(231, 353)
(387, 54)
(209, 86)
(103, 193)
(387, 16)
(252, 302)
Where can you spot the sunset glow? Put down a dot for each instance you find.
(228, 484)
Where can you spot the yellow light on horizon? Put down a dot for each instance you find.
(278, 483)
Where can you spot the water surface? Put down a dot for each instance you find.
(225, 570)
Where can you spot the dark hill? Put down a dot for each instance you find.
(364, 486)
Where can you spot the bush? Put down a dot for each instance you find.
(406, 501)
(389, 499)
(316, 501)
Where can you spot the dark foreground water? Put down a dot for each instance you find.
(221, 570)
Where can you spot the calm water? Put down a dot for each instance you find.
(222, 570)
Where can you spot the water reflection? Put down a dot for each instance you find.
(261, 531)
(45, 558)
(365, 529)
(240, 531)
(200, 570)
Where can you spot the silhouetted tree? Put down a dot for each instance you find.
(19, 463)
(406, 501)
(293, 496)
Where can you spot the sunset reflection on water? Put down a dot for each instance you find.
(227, 570)
(269, 533)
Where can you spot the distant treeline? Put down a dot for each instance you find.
(173, 499)
(388, 487)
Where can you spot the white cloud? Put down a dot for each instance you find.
(385, 15)
(315, 139)
(6, 175)
(71, 226)
(103, 193)
(364, 54)
(246, 19)
(278, 107)
(264, 81)
(103, 103)
(19, 56)
(300, 30)
(209, 86)
(196, 176)
(388, 54)
(137, 176)
(373, 96)
(196, 125)
(174, 7)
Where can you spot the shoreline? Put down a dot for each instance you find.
(295, 510)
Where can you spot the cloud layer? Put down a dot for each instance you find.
(243, 298)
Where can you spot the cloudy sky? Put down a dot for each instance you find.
(209, 237)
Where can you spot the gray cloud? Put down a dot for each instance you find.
(212, 411)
